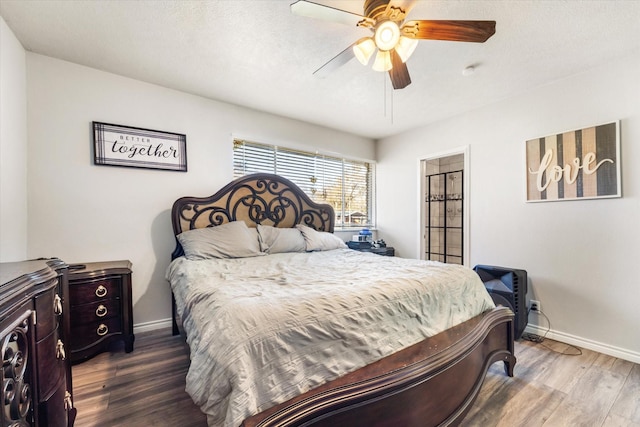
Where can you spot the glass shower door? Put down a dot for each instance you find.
(444, 236)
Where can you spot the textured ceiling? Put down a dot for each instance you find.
(257, 54)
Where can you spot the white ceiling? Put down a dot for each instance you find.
(257, 54)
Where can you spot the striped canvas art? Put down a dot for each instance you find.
(579, 164)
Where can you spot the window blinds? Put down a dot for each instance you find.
(345, 184)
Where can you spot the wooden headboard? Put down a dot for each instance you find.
(255, 199)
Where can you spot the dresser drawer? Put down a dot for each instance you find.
(94, 290)
(45, 318)
(48, 309)
(95, 311)
(51, 364)
(87, 334)
(53, 412)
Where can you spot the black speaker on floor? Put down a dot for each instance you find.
(507, 287)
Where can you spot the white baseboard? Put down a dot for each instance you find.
(151, 326)
(607, 349)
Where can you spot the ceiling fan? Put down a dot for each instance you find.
(393, 38)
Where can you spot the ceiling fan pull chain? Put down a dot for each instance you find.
(391, 101)
(387, 109)
(386, 97)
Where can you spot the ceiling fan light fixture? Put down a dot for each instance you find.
(364, 49)
(393, 39)
(383, 61)
(405, 47)
(387, 35)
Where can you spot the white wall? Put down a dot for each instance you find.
(13, 147)
(82, 212)
(581, 256)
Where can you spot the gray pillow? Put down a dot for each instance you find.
(230, 240)
(320, 240)
(277, 240)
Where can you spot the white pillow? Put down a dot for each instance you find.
(275, 240)
(230, 240)
(320, 240)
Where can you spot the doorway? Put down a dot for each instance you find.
(444, 208)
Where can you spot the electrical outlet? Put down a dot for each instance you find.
(535, 305)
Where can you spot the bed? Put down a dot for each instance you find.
(288, 327)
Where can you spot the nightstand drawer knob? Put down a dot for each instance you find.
(57, 305)
(101, 291)
(60, 353)
(101, 311)
(102, 330)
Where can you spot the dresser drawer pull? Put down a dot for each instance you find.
(57, 305)
(102, 330)
(68, 402)
(101, 311)
(101, 291)
(60, 353)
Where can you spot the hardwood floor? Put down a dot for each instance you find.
(552, 389)
(142, 388)
(146, 388)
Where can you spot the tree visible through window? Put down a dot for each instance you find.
(345, 184)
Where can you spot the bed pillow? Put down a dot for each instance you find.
(275, 240)
(320, 240)
(230, 240)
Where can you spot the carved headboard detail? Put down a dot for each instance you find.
(255, 199)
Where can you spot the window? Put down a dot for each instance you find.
(345, 184)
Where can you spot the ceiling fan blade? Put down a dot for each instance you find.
(403, 5)
(336, 62)
(399, 73)
(458, 31)
(327, 13)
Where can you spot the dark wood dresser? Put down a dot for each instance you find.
(100, 307)
(34, 329)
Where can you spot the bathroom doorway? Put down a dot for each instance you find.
(444, 207)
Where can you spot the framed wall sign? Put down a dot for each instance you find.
(116, 145)
(575, 165)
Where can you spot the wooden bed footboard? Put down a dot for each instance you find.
(432, 383)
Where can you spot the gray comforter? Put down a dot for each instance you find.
(262, 330)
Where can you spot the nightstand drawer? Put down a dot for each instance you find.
(95, 311)
(88, 334)
(95, 290)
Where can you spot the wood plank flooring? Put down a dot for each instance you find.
(146, 388)
(142, 388)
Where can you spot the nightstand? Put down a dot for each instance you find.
(101, 309)
(362, 247)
